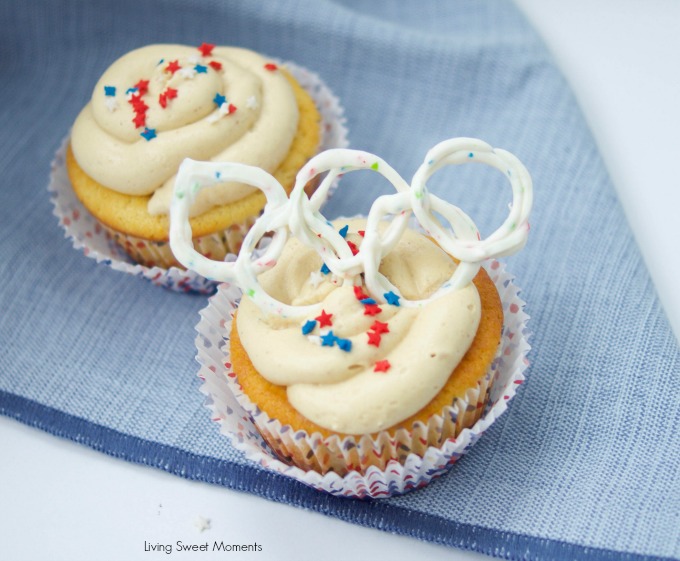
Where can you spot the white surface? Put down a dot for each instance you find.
(60, 500)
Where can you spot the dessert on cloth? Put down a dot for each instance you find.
(364, 347)
(159, 104)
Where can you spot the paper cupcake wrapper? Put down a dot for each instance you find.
(432, 450)
(88, 235)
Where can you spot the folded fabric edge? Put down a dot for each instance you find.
(368, 513)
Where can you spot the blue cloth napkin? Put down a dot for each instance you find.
(586, 460)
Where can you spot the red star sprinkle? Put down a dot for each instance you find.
(138, 104)
(215, 65)
(142, 86)
(380, 327)
(173, 67)
(271, 66)
(373, 338)
(139, 120)
(206, 49)
(359, 293)
(372, 309)
(170, 93)
(353, 247)
(382, 366)
(163, 100)
(362, 233)
(232, 108)
(324, 319)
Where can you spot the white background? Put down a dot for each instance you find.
(59, 500)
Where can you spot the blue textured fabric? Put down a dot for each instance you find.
(586, 460)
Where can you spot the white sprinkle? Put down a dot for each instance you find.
(202, 523)
(193, 59)
(111, 104)
(314, 339)
(316, 278)
(187, 72)
(251, 102)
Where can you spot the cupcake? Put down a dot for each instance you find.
(159, 104)
(363, 346)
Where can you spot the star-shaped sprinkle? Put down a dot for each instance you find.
(382, 366)
(324, 319)
(193, 59)
(315, 278)
(110, 90)
(373, 338)
(372, 310)
(359, 293)
(366, 301)
(111, 104)
(173, 66)
(206, 49)
(344, 344)
(200, 69)
(343, 231)
(308, 327)
(142, 86)
(391, 298)
(163, 100)
(219, 99)
(271, 67)
(362, 233)
(251, 102)
(187, 72)
(217, 66)
(353, 247)
(324, 269)
(148, 134)
(202, 523)
(130, 91)
(231, 109)
(328, 340)
(139, 121)
(380, 327)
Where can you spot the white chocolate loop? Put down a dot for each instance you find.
(300, 216)
(194, 176)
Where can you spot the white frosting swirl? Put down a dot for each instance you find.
(254, 125)
(341, 390)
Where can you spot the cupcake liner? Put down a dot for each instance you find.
(390, 465)
(98, 243)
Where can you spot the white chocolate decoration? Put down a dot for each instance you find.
(160, 104)
(300, 216)
(341, 390)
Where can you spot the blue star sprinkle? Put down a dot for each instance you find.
(368, 301)
(148, 134)
(391, 298)
(324, 269)
(328, 340)
(344, 344)
(110, 91)
(308, 327)
(343, 230)
(200, 69)
(219, 99)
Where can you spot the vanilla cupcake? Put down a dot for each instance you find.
(159, 104)
(365, 348)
